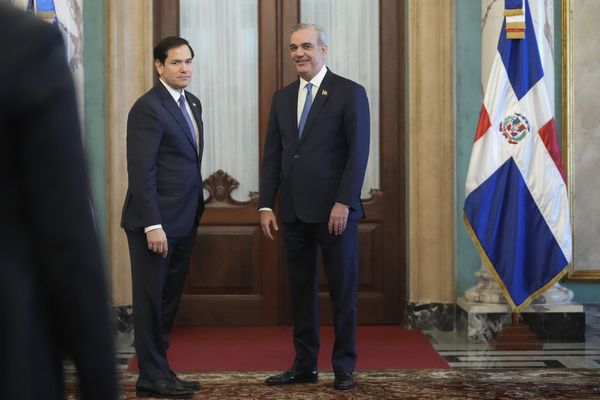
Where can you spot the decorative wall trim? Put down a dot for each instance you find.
(123, 318)
(431, 137)
(431, 316)
(129, 72)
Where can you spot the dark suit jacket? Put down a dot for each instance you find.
(328, 163)
(165, 185)
(53, 297)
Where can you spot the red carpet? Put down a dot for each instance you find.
(270, 348)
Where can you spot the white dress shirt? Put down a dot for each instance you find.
(316, 82)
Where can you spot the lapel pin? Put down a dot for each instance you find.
(324, 92)
(194, 104)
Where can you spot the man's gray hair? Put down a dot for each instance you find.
(315, 27)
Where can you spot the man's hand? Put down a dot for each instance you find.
(267, 218)
(338, 219)
(157, 242)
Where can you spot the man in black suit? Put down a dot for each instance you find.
(53, 297)
(162, 207)
(315, 157)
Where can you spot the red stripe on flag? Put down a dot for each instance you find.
(484, 123)
(548, 135)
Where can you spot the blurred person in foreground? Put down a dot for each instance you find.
(163, 205)
(53, 296)
(315, 159)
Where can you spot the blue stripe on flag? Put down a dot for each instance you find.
(513, 233)
(44, 6)
(521, 57)
(513, 4)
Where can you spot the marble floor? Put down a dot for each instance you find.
(124, 350)
(460, 353)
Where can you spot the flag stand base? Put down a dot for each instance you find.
(516, 336)
(481, 322)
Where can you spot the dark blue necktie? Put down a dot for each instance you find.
(305, 109)
(186, 115)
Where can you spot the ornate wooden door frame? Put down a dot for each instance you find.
(260, 297)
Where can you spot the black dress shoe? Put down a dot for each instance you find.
(291, 376)
(164, 388)
(193, 385)
(343, 381)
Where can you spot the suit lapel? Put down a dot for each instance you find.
(197, 113)
(320, 99)
(292, 106)
(173, 108)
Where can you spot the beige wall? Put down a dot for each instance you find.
(129, 73)
(430, 138)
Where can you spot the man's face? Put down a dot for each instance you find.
(307, 55)
(177, 69)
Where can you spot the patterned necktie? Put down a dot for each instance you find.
(186, 115)
(306, 108)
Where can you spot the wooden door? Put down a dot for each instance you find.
(236, 276)
(382, 264)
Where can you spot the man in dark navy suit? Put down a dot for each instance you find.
(162, 207)
(315, 157)
(53, 295)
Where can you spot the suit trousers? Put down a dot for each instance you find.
(157, 288)
(340, 260)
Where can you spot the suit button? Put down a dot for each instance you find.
(296, 156)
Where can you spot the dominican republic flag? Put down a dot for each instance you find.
(516, 206)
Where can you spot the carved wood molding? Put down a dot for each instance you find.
(220, 185)
(375, 197)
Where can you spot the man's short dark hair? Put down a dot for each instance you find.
(162, 48)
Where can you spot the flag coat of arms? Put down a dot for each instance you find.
(516, 206)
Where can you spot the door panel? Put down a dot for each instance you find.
(218, 267)
(233, 277)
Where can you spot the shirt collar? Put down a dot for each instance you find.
(316, 80)
(175, 93)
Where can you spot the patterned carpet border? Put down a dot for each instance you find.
(447, 384)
